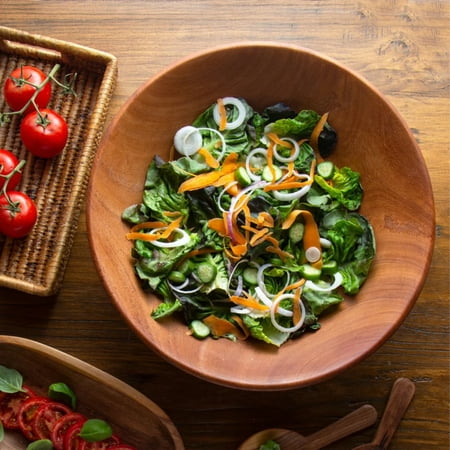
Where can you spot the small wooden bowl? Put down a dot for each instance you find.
(373, 139)
(132, 416)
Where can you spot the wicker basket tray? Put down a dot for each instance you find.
(35, 264)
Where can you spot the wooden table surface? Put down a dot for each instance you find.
(402, 47)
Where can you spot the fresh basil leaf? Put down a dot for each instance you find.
(2, 432)
(94, 430)
(10, 380)
(42, 444)
(60, 392)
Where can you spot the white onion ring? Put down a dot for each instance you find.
(268, 302)
(289, 196)
(291, 157)
(180, 289)
(273, 309)
(222, 192)
(255, 151)
(325, 243)
(336, 283)
(241, 113)
(313, 254)
(187, 140)
(178, 243)
(238, 309)
(222, 140)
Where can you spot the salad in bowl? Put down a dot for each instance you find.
(250, 230)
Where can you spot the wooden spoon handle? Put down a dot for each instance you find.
(401, 395)
(357, 420)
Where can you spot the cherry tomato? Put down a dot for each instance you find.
(72, 439)
(10, 405)
(8, 162)
(46, 417)
(18, 218)
(18, 90)
(26, 414)
(62, 425)
(100, 445)
(44, 133)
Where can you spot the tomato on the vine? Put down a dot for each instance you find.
(8, 162)
(44, 133)
(18, 214)
(20, 86)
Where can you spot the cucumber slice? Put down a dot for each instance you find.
(330, 267)
(250, 276)
(325, 169)
(176, 276)
(309, 272)
(199, 329)
(268, 176)
(242, 177)
(206, 272)
(296, 232)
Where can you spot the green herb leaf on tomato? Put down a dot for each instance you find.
(2, 432)
(60, 392)
(10, 380)
(42, 444)
(95, 430)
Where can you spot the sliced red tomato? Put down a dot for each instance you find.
(62, 425)
(46, 417)
(10, 405)
(72, 439)
(26, 415)
(101, 445)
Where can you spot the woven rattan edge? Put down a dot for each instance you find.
(16, 42)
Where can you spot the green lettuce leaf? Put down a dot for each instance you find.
(263, 330)
(166, 309)
(345, 187)
(301, 126)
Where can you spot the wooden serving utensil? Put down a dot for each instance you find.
(357, 420)
(401, 395)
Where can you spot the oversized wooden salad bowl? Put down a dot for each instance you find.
(373, 140)
(132, 416)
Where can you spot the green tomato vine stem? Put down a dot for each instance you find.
(12, 206)
(67, 87)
